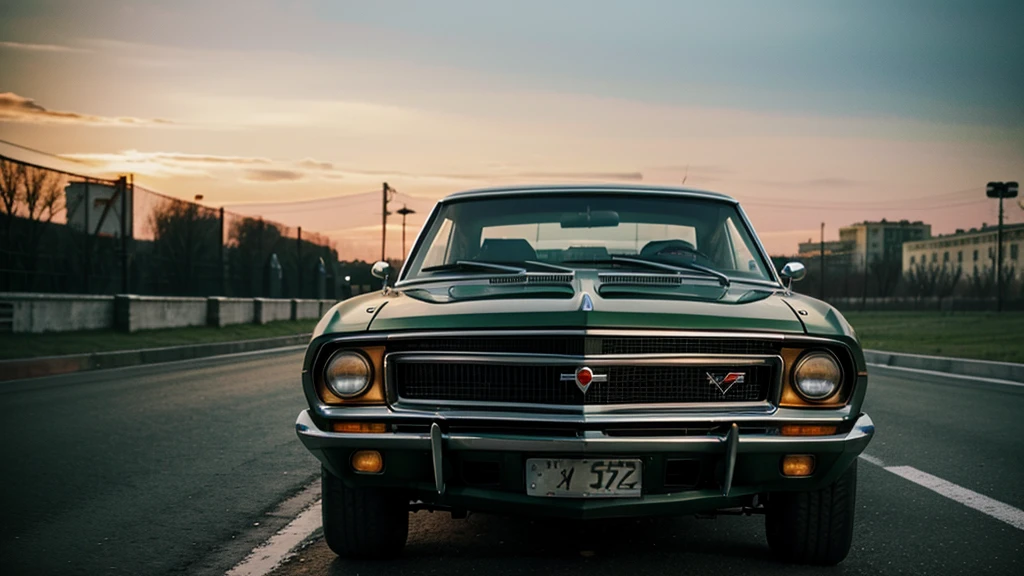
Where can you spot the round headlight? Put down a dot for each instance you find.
(817, 376)
(348, 374)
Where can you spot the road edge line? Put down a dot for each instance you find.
(275, 550)
(949, 375)
(29, 368)
(965, 496)
(969, 498)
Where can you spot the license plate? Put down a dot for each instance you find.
(590, 478)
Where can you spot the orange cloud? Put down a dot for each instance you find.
(273, 175)
(40, 47)
(15, 108)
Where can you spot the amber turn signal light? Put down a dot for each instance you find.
(368, 462)
(359, 427)
(808, 430)
(797, 465)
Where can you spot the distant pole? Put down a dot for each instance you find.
(822, 260)
(999, 259)
(405, 211)
(298, 250)
(386, 192)
(88, 241)
(126, 189)
(1000, 190)
(223, 262)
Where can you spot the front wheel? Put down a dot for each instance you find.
(813, 527)
(370, 523)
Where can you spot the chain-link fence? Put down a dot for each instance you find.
(64, 232)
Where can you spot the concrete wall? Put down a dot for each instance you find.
(59, 312)
(32, 312)
(951, 304)
(325, 305)
(133, 313)
(1008, 371)
(305, 309)
(225, 311)
(272, 310)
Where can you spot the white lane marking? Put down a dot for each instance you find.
(102, 371)
(950, 375)
(274, 551)
(994, 508)
(873, 460)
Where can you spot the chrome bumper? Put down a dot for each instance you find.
(730, 445)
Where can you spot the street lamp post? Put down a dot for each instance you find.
(1000, 190)
(405, 211)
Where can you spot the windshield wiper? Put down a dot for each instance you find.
(463, 264)
(677, 268)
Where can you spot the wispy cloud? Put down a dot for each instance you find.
(315, 164)
(164, 163)
(41, 47)
(267, 170)
(631, 176)
(814, 183)
(273, 175)
(15, 108)
(333, 170)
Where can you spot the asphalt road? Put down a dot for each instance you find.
(154, 470)
(967, 433)
(167, 469)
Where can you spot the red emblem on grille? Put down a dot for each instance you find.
(584, 377)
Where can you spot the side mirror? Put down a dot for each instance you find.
(793, 272)
(381, 270)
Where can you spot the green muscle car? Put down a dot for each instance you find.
(587, 352)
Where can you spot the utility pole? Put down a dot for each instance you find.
(1000, 190)
(387, 193)
(405, 211)
(822, 241)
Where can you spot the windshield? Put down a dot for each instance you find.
(589, 231)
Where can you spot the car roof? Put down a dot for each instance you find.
(587, 188)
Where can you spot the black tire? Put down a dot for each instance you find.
(813, 527)
(367, 523)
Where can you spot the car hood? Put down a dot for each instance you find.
(733, 310)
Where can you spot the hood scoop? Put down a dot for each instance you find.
(529, 278)
(642, 279)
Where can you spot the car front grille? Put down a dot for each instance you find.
(523, 383)
(578, 345)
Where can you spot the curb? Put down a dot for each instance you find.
(53, 365)
(961, 366)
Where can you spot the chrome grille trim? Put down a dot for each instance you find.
(664, 382)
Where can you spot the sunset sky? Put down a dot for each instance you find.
(807, 111)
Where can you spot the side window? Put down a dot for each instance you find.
(742, 251)
(437, 254)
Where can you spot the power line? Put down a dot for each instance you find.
(876, 204)
(269, 206)
(860, 206)
(50, 154)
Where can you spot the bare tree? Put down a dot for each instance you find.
(948, 278)
(922, 280)
(186, 240)
(12, 178)
(886, 273)
(981, 284)
(44, 194)
(30, 198)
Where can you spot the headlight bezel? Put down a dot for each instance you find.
(802, 360)
(353, 353)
